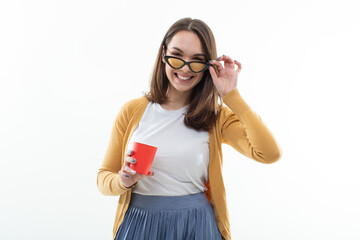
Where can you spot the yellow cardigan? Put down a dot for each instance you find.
(239, 126)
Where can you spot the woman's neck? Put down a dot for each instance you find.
(176, 100)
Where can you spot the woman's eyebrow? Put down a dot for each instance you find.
(195, 55)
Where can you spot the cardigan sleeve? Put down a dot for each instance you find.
(245, 131)
(108, 179)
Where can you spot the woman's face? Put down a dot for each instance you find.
(187, 46)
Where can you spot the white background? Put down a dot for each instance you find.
(66, 68)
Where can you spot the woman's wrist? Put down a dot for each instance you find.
(130, 186)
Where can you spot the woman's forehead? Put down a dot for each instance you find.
(187, 42)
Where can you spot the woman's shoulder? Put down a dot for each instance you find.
(130, 106)
(136, 102)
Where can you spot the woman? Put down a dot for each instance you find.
(183, 197)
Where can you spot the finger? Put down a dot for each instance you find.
(150, 174)
(219, 58)
(129, 160)
(217, 64)
(228, 62)
(124, 175)
(213, 73)
(129, 170)
(238, 66)
(125, 180)
(130, 152)
(226, 58)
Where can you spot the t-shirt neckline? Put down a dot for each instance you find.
(183, 109)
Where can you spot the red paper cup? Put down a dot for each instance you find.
(144, 155)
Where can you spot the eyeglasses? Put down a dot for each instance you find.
(195, 66)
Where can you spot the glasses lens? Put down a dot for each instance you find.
(197, 67)
(175, 63)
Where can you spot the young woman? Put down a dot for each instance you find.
(183, 197)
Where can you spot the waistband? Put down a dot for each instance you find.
(169, 202)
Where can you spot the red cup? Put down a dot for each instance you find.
(144, 155)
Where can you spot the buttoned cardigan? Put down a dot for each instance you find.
(238, 126)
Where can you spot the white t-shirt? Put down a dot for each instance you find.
(181, 162)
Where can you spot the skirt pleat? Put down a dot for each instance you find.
(185, 217)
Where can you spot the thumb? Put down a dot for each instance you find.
(150, 174)
(213, 74)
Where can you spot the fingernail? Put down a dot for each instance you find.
(235, 60)
(133, 160)
(218, 59)
(127, 176)
(131, 152)
(211, 61)
(133, 171)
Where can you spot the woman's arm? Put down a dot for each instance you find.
(108, 179)
(245, 131)
(241, 128)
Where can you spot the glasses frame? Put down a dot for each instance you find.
(166, 57)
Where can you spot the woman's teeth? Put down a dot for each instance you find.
(182, 77)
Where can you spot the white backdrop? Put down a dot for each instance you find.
(66, 68)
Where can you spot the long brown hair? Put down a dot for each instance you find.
(204, 108)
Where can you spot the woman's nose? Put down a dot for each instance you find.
(186, 68)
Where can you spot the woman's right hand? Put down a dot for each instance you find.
(128, 176)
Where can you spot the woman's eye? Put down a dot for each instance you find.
(176, 54)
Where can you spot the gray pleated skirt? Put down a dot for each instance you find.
(185, 217)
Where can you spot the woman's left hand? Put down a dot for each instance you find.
(226, 79)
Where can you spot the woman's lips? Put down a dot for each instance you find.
(183, 77)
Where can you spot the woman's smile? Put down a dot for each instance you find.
(183, 78)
